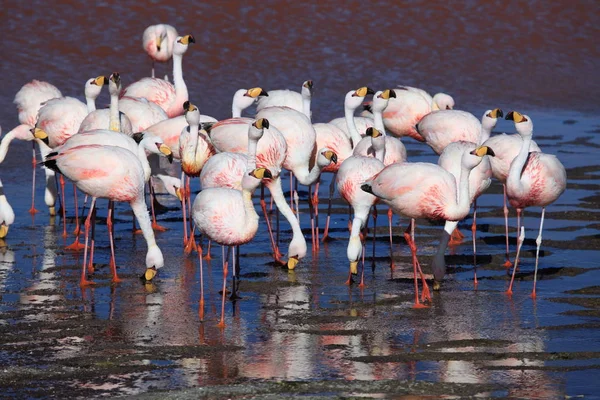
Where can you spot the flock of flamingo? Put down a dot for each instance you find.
(113, 153)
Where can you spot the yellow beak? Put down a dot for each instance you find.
(292, 262)
(3, 231)
(354, 267)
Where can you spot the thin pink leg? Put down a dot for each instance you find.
(225, 271)
(32, 210)
(64, 205)
(390, 214)
(520, 240)
(507, 263)
(201, 303)
(413, 249)
(263, 205)
(109, 225)
(331, 191)
(538, 242)
(84, 281)
(474, 234)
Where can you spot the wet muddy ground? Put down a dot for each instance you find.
(306, 332)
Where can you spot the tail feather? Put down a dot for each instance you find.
(50, 162)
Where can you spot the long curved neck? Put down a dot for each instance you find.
(143, 218)
(91, 104)
(460, 209)
(252, 146)
(250, 215)
(144, 160)
(516, 168)
(484, 135)
(354, 135)
(306, 106)
(274, 187)
(236, 112)
(6, 141)
(378, 121)
(181, 92)
(308, 178)
(114, 121)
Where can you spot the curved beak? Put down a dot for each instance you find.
(3, 230)
(178, 193)
(354, 267)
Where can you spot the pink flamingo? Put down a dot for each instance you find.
(228, 217)
(140, 145)
(353, 172)
(195, 149)
(350, 124)
(440, 128)
(29, 99)
(423, 190)
(480, 178)
(232, 136)
(116, 174)
(157, 41)
(7, 215)
(506, 148)
(409, 106)
(534, 179)
(141, 112)
(168, 96)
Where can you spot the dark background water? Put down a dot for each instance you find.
(538, 57)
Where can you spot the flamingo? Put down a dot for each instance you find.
(141, 112)
(58, 120)
(139, 145)
(409, 106)
(7, 215)
(116, 174)
(480, 178)
(158, 41)
(232, 136)
(353, 172)
(168, 96)
(111, 118)
(423, 190)
(440, 128)
(228, 217)
(195, 149)
(395, 152)
(506, 147)
(534, 179)
(288, 98)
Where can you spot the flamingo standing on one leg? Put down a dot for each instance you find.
(228, 217)
(423, 190)
(116, 174)
(534, 179)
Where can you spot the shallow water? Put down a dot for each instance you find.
(306, 329)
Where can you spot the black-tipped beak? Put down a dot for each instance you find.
(268, 174)
(392, 94)
(370, 91)
(265, 123)
(170, 158)
(334, 158)
(510, 116)
(264, 93)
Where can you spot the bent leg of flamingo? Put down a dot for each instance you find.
(84, 281)
(64, 205)
(538, 242)
(408, 235)
(520, 241)
(76, 245)
(507, 263)
(311, 211)
(90, 265)
(109, 224)
(263, 205)
(374, 212)
(316, 211)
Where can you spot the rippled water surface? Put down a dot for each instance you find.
(306, 332)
